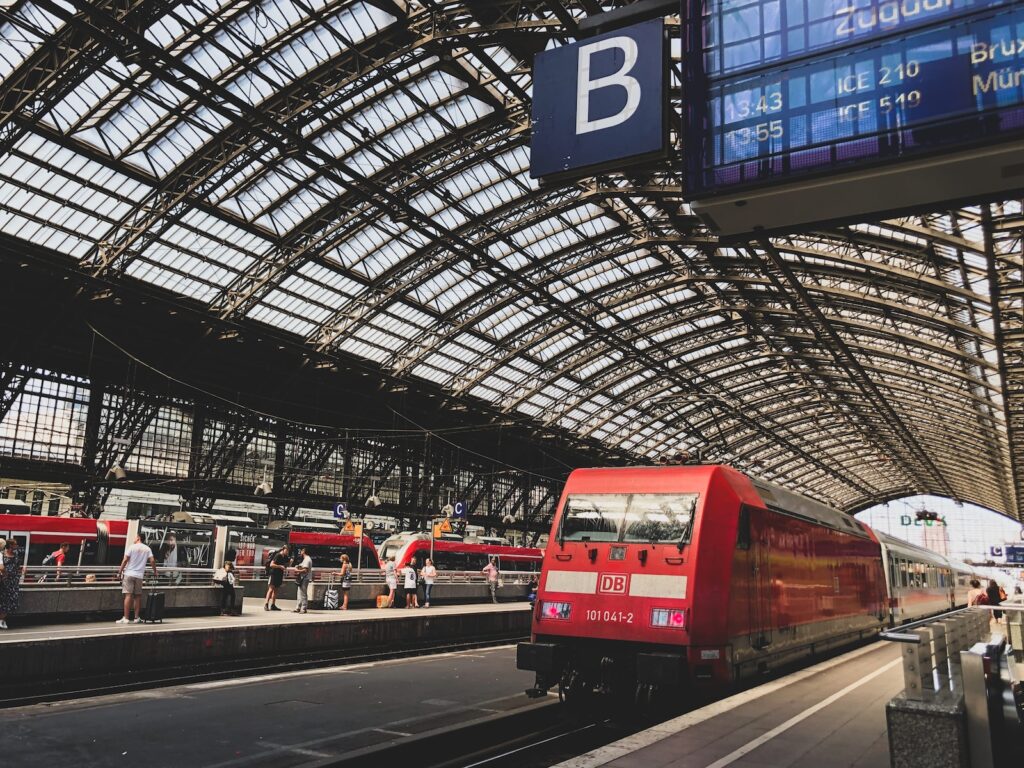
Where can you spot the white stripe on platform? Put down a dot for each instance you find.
(631, 744)
(750, 746)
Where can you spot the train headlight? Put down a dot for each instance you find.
(669, 618)
(553, 610)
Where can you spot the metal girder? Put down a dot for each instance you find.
(572, 306)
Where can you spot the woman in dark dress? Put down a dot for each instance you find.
(994, 599)
(10, 580)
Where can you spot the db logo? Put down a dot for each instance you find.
(612, 583)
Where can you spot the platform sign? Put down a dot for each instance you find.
(1014, 555)
(778, 90)
(341, 511)
(460, 510)
(600, 103)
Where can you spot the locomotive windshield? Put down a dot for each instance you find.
(633, 518)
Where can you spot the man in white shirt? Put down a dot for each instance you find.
(411, 600)
(131, 573)
(303, 575)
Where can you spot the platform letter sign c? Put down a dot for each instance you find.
(584, 85)
(612, 584)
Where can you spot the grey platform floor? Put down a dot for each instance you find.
(826, 716)
(252, 614)
(279, 720)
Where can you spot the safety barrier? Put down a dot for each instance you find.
(44, 576)
(951, 668)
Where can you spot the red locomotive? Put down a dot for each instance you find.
(698, 576)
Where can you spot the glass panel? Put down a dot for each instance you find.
(659, 518)
(593, 518)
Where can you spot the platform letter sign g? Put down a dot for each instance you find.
(584, 85)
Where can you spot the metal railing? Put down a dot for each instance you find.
(48, 576)
(954, 655)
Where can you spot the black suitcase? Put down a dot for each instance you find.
(153, 610)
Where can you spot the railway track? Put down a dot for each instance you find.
(532, 736)
(38, 692)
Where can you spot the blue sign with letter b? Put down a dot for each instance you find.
(599, 103)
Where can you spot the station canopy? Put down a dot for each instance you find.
(355, 173)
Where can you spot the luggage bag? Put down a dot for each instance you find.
(331, 597)
(153, 610)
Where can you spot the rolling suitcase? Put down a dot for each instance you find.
(331, 597)
(153, 610)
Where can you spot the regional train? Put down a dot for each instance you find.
(206, 541)
(456, 553)
(691, 578)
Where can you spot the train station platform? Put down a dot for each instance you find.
(37, 661)
(831, 714)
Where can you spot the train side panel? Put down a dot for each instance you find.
(798, 587)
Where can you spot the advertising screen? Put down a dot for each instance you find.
(179, 545)
(253, 546)
(782, 88)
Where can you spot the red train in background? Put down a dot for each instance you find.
(458, 554)
(92, 542)
(694, 577)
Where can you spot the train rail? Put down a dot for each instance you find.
(197, 672)
(535, 735)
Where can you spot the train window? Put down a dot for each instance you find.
(594, 518)
(476, 561)
(635, 518)
(743, 529)
(659, 518)
(450, 561)
(905, 573)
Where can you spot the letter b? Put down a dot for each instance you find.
(585, 86)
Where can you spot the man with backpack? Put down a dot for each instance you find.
(57, 558)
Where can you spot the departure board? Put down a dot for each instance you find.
(779, 89)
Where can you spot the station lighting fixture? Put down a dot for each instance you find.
(373, 500)
(116, 472)
(448, 510)
(265, 487)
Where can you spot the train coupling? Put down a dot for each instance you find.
(544, 658)
(659, 669)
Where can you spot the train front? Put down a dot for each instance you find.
(615, 607)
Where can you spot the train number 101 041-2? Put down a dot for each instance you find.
(618, 617)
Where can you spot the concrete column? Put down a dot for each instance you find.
(917, 667)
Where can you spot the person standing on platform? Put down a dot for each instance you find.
(225, 577)
(976, 595)
(491, 572)
(346, 581)
(131, 573)
(429, 573)
(303, 577)
(994, 598)
(411, 600)
(277, 566)
(10, 579)
(391, 579)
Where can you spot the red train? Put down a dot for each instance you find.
(697, 576)
(458, 554)
(93, 542)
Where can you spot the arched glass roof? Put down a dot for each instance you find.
(355, 173)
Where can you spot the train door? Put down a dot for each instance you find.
(760, 582)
